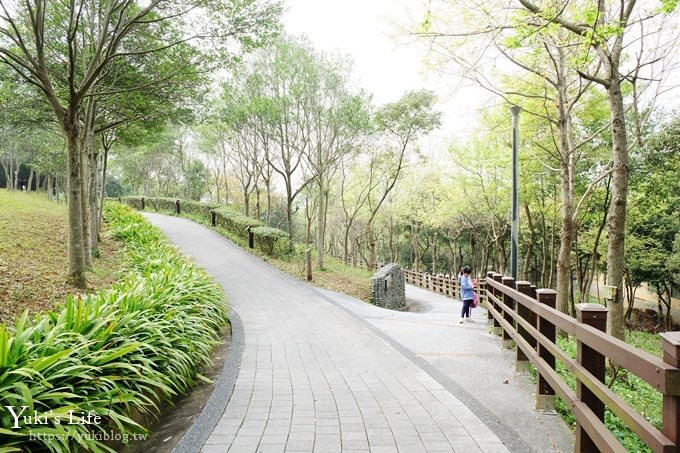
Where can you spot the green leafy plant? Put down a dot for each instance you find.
(102, 358)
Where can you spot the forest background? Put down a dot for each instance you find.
(218, 102)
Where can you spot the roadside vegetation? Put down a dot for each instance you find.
(270, 244)
(33, 256)
(100, 363)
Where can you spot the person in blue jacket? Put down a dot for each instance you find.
(467, 290)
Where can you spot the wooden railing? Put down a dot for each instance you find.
(526, 319)
(442, 284)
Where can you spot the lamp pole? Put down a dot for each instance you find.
(514, 231)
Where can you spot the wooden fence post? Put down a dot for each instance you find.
(213, 220)
(509, 303)
(177, 208)
(671, 403)
(309, 262)
(489, 290)
(594, 315)
(545, 394)
(521, 360)
(496, 325)
(143, 204)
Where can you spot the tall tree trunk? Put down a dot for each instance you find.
(530, 248)
(321, 224)
(434, 253)
(93, 194)
(85, 210)
(87, 150)
(393, 245)
(566, 236)
(416, 251)
(5, 167)
(30, 181)
(370, 236)
(102, 193)
(50, 187)
(76, 254)
(246, 201)
(616, 218)
(258, 209)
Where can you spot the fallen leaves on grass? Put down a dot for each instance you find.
(33, 256)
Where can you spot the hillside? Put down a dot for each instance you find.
(33, 259)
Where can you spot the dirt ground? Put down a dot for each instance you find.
(176, 419)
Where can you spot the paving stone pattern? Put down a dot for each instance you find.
(314, 377)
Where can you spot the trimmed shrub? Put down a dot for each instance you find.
(266, 238)
(103, 357)
(235, 222)
(167, 204)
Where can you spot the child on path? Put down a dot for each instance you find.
(467, 289)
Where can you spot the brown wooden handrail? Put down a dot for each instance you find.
(591, 431)
(526, 319)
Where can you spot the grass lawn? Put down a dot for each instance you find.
(336, 275)
(33, 255)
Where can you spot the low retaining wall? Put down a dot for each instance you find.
(389, 287)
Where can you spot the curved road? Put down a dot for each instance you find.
(313, 370)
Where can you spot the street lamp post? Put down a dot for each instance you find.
(514, 231)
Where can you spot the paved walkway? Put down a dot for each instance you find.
(313, 370)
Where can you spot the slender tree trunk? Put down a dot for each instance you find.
(93, 194)
(102, 193)
(85, 210)
(76, 263)
(416, 251)
(616, 218)
(370, 235)
(530, 247)
(321, 224)
(50, 187)
(392, 244)
(258, 209)
(30, 181)
(5, 168)
(566, 238)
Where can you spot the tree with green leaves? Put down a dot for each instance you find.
(603, 28)
(79, 57)
(402, 123)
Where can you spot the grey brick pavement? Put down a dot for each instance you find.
(322, 372)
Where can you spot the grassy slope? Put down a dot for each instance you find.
(336, 276)
(33, 255)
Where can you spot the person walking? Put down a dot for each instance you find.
(467, 290)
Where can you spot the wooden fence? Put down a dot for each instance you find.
(526, 319)
(442, 284)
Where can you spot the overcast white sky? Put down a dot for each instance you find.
(364, 30)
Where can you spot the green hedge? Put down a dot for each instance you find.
(265, 238)
(112, 354)
(235, 222)
(167, 204)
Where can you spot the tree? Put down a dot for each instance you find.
(603, 28)
(69, 71)
(402, 122)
